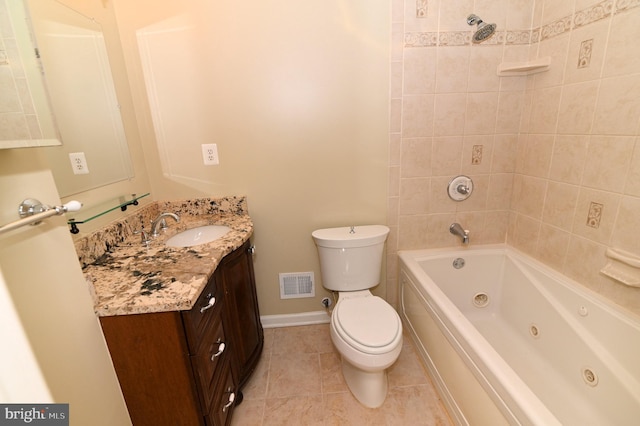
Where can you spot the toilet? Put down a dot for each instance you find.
(365, 329)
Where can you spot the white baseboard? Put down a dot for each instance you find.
(291, 320)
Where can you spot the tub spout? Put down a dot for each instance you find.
(457, 229)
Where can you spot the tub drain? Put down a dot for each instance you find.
(481, 300)
(589, 377)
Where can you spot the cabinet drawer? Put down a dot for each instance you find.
(209, 362)
(224, 402)
(203, 314)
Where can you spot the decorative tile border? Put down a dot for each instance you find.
(463, 38)
(556, 28)
(420, 39)
(518, 37)
(595, 13)
(622, 5)
(497, 38)
(457, 38)
(535, 35)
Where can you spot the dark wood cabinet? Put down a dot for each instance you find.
(243, 322)
(188, 368)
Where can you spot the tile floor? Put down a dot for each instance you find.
(299, 382)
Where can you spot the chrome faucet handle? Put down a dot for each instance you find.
(460, 188)
(463, 189)
(144, 237)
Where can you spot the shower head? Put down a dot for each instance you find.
(484, 30)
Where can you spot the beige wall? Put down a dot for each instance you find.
(553, 142)
(52, 299)
(295, 96)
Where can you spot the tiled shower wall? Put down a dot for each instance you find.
(576, 189)
(551, 154)
(17, 112)
(451, 114)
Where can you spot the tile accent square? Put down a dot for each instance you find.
(584, 58)
(476, 154)
(421, 8)
(595, 215)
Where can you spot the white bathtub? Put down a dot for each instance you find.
(509, 341)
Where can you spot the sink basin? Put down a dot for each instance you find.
(196, 236)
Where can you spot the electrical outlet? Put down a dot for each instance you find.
(78, 163)
(210, 154)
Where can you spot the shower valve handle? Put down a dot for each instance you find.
(463, 189)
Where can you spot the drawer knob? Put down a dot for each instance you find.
(232, 398)
(221, 347)
(212, 301)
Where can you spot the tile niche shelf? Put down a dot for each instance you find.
(95, 212)
(512, 69)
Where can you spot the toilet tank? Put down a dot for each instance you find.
(350, 257)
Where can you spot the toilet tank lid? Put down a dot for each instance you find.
(362, 236)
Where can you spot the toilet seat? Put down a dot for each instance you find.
(369, 324)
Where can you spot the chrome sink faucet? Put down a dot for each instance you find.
(457, 229)
(161, 223)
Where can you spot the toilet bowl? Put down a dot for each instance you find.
(365, 329)
(367, 333)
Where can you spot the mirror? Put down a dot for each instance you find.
(25, 116)
(74, 63)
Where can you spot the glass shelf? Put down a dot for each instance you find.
(94, 212)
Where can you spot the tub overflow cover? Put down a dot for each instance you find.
(458, 263)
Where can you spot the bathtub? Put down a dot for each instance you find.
(506, 340)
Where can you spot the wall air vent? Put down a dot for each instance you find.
(297, 284)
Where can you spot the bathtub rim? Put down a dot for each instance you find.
(620, 312)
(508, 391)
(409, 264)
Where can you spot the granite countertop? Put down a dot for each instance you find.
(134, 278)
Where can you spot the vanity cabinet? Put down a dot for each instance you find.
(188, 368)
(245, 329)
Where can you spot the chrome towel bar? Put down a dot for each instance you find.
(33, 212)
